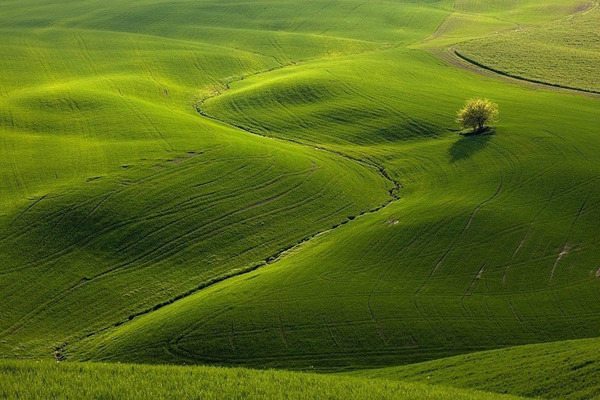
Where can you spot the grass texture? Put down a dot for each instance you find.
(564, 53)
(282, 184)
(555, 370)
(28, 379)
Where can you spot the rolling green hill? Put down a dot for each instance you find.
(550, 370)
(488, 246)
(281, 184)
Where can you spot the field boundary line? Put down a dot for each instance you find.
(548, 85)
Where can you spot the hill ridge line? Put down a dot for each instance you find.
(397, 185)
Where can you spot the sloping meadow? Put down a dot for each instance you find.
(284, 185)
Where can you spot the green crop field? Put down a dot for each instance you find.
(109, 381)
(564, 53)
(282, 184)
(566, 369)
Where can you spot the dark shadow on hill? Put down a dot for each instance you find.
(409, 129)
(469, 143)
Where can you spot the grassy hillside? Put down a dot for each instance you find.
(117, 196)
(564, 53)
(28, 379)
(551, 370)
(282, 184)
(488, 246)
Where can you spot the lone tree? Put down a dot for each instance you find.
(476, 113)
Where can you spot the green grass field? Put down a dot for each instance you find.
(564, 53)
(550, 370)
(281, 184)
(108, 381)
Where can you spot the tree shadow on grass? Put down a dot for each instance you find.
(469, 144)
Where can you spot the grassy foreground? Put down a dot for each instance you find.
(568, 369)
(34, 380)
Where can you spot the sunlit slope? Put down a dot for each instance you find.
(468, 19)
(117, 196)
(121, 202)
(27, 379)
(67, 66)
(564, 53)
(567, 369)
(492, 242)
(280, 28)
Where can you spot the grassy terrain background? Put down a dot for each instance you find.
(488, 246)
(563, 53)
(282, 185)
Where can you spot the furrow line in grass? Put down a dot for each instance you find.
(567, 246)
(84, 241)
(233, 273)
(547, 85)
(393, 193)
(153, 259)
(25, 210)
(396, 184)
(165, 173)
(460, 235)
(526, 236)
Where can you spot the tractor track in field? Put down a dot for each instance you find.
(59, 352)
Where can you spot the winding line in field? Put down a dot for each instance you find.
(460, 60)
(396, 184)
(393, 193)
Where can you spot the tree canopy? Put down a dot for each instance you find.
(476, 113)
